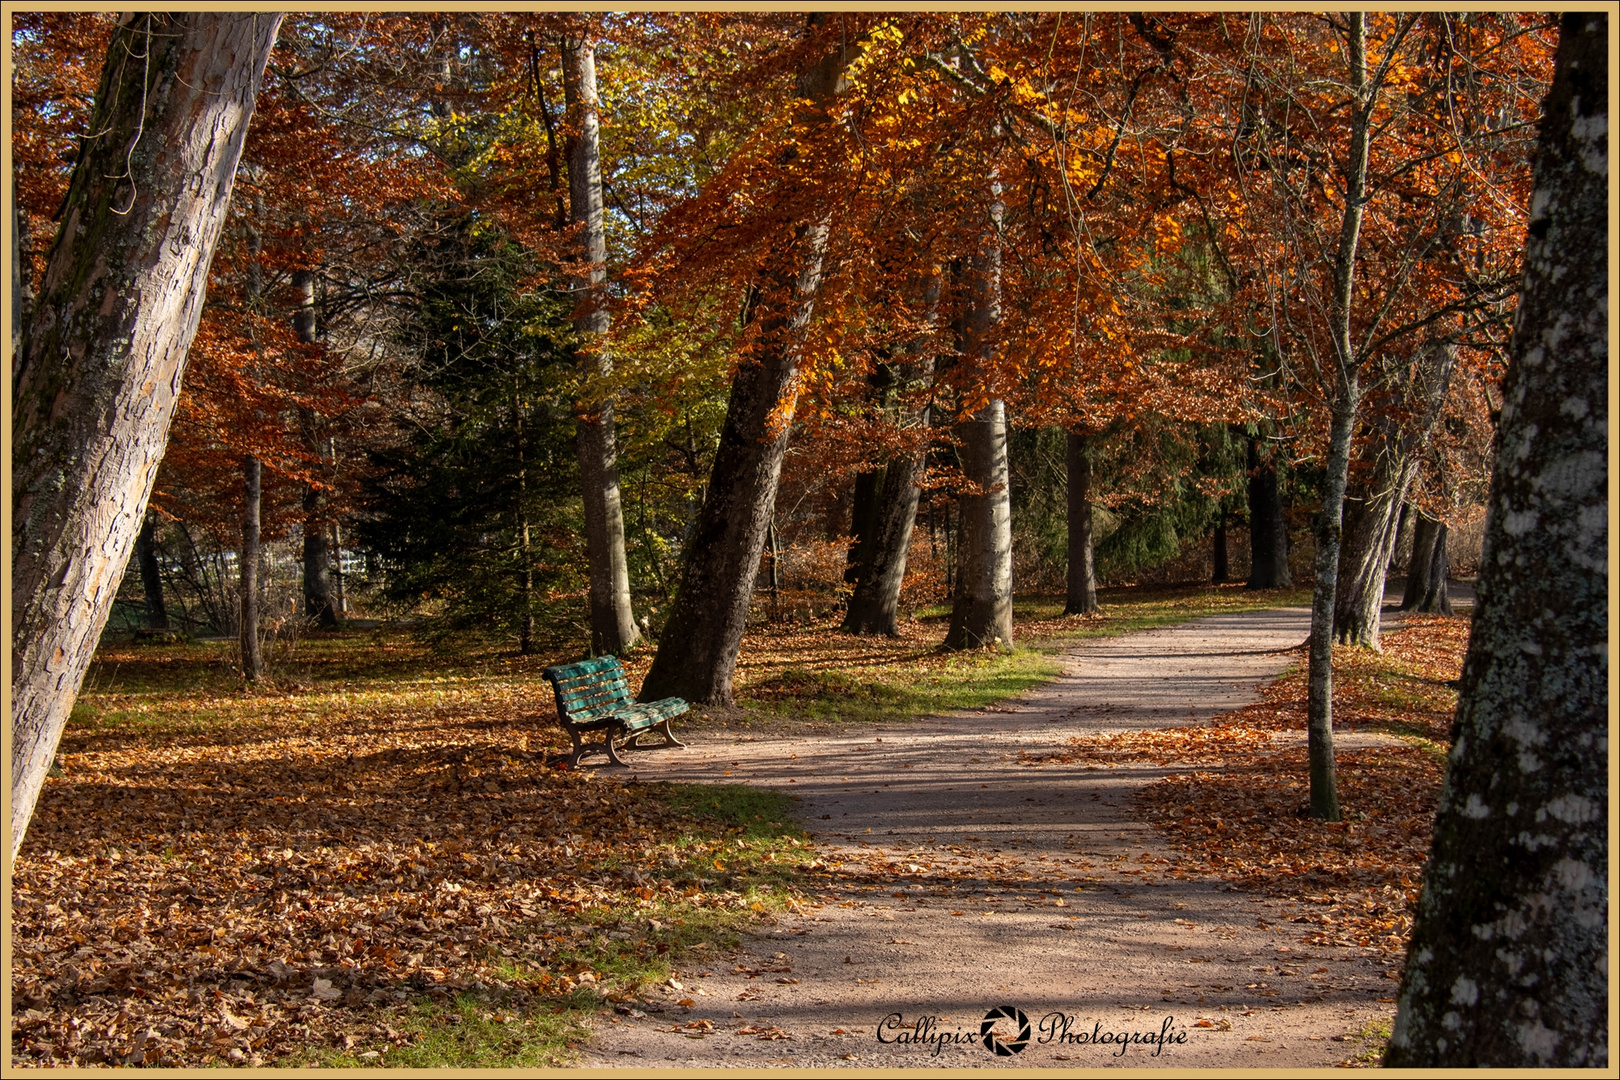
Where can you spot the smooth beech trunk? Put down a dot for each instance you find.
(1082, 591)
(613, 622)
(1509, 962)
(697, 651)
(101, 362)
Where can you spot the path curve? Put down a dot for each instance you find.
(1137, 952)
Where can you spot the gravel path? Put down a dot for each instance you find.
(970, 882)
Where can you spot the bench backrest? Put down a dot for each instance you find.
(590, 688)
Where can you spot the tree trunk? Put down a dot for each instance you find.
(1344, 395)
(1268, 534)
(1424, 534)
(865, 509)
(613, 622)
(1507, 964)
(157, 616)
(1435, 599)
(247, 627)
(1082, 593)
(875, 606)
(22, 292)
(1372, 521)
(318, 602)
(981, 611)
(697, 651)
(100, 367)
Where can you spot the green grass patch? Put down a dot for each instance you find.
(470, 1033)
(968, 680)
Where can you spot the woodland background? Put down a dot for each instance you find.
(388, 328)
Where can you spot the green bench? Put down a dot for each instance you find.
(593, 699)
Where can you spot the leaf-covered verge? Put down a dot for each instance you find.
(1241, 809)
(404, 881)
(375, 860)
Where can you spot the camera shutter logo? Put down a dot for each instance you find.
(1000, 1045)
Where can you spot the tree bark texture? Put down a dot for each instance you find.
(247, 628)
(1372, 518)
(1268, 536)
(157, 616)
(1082, 583)
(697, 651)
(100, 367)
(613, 622)
(1508, 962)
(319, 604)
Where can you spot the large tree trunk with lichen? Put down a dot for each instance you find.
(99, 370)
(1372, 516)
(1507, 963)
(1082, 576)
(697, 651)
(613, 622)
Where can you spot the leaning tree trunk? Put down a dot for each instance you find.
(1372, 521)
(1082, 594)
(100, 366)
(1507, 964)
(981, 611)
(613, 622)
(319, 604)
(697, 651)
(1268, 535)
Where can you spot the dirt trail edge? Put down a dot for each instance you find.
(971, 882)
